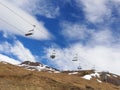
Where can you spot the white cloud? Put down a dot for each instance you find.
(21, 52)
(12, 23)
(75, 31)
(101, 49)
(117, 1)
(8, 59)
(79, 32)
(102, 37)
(65, 56)
(103, 57)
(18, 50)
(106, 58)
(98, 11)
(95, 10)
(38, 7)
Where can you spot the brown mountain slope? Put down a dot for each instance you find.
(16, 78)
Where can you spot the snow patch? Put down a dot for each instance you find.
(40, 67)
(4, 58)
(108, 75)
(56, 71)
(88, 77)
(95, 74)
(99, 81)
(72, 73)
(115, 75)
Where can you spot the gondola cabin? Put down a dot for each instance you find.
(30, 32)
(79, 67)
(75, 58)
(52, 56)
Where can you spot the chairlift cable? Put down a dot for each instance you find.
(15, 13)
(11, 25)
(17, 29)
(20, 16)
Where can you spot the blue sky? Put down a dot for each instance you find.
(89, 28)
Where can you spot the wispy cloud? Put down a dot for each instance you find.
(17, 50)
(103, 37)
(78, 32)
(12, 23)
(21, 52)
(8, 59)
(38, 7)
(75, 31)
(96, 10)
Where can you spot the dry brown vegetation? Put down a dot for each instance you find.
(16, 78)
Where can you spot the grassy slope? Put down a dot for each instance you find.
(17, 78)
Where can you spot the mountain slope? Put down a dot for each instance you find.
(17, 78)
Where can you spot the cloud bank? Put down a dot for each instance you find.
(102, 58)
(21, 22)
(15, 50)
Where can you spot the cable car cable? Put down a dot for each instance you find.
(11, 25)
(19, 16)
(16, 13)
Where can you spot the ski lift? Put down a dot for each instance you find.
(75, 58)
(93, 68)
(52, 56)
(30, 32)
(79, 67)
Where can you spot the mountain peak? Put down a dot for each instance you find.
(37, 66)
(31, 63)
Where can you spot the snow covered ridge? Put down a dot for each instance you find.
(36, 66)
(103, 77)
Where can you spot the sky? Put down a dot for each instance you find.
(89, 29)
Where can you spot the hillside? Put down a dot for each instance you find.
(17, 78)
